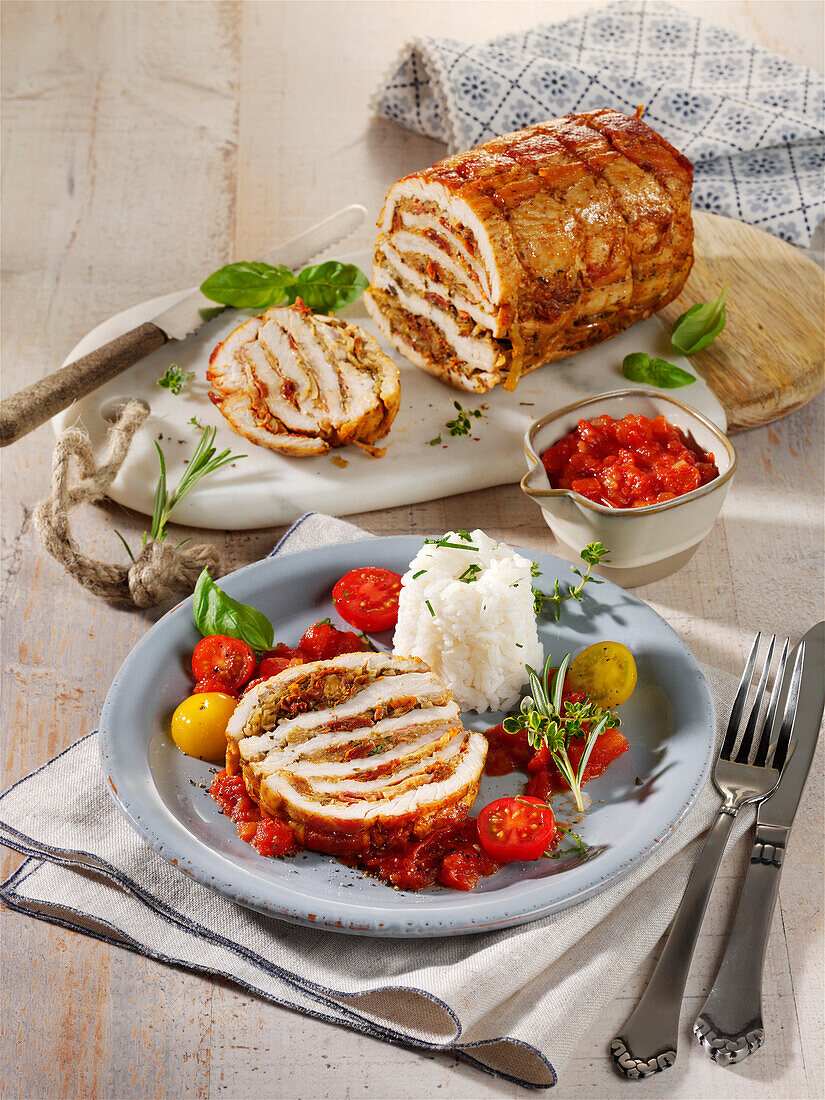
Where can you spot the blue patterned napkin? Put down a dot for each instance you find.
(752, 122)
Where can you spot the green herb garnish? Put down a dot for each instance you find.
(434, 442)
(175, 379)
(217, 613)
(700, 325)
(415, 576)
(591, 555)
(581, 848)
(324, 288)
(462, 423)
(193, 420)
(470, 574)
(430, 608)
(447, 545)
(639, 367)
(549, 721)
(203, 462)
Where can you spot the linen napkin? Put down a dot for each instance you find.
(514, 1002)
(752, 122)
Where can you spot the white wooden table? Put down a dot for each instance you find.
(145, 143)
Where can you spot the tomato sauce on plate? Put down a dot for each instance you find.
(628, 463)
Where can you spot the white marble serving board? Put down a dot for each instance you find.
(265, 488)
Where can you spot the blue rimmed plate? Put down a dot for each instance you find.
(636, 804)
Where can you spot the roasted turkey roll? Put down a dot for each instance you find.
(361, 752)
(300, 384)
(532, 247)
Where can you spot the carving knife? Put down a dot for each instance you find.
(31, 407)
(729, 1025)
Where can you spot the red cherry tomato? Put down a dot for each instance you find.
(322, 642)
(367, 597)
(271, 666)
(210, 684)
(228, 661)
(281, 650)
(512, 829)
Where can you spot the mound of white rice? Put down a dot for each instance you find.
(466, 608)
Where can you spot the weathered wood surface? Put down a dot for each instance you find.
(144, 143)
(770, 359)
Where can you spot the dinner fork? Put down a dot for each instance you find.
(648, 1041)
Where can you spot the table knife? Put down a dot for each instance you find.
(26, 410)
(729, 1025)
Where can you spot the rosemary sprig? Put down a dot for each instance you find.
(203, 462)
(548, 720)
(592, 554)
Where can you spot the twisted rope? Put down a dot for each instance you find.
(160, 571)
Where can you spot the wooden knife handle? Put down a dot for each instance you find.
(24, 411)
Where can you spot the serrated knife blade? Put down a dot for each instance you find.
(186, 316)
(37, 403)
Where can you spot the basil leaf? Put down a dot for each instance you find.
(639, 367)
(700, 325)
(328, 287)
(217, 613)
(248, 285)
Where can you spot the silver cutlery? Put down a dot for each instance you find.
(729, 1025)
(648, 1041)
(29, 408)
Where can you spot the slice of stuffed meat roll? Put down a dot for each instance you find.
(362, 752)
(300, 383)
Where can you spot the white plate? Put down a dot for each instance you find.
(266, 488)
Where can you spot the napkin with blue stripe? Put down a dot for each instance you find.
(515, 1002)
(752, 122)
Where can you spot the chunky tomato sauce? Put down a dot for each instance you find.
(271, 836)
(628, 463)
(451, 856)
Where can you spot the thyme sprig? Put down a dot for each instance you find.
(548, 720)
(463, 422)
(592, 554)
(175, 379)
(202, 463)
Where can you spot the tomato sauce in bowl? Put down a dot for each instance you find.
(629, 463)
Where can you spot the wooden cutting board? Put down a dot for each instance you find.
(769, 359)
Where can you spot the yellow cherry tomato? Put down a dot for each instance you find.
(606, 672)
(199, 725)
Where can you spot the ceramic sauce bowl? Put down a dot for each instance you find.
(645, 543)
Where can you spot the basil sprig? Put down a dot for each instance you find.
(700, 325)
(639, 367)
(324, 288)
(217, 613)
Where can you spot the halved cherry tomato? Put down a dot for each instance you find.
(323, 641)
(271, 666)
(226, 660)
(281, 650)
(513, 829)
(367, 597)
(606, 672)
(204, 687)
